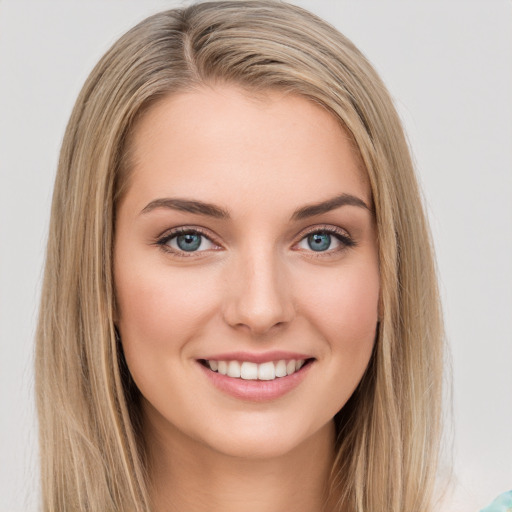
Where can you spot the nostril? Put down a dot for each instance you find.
(260, 307)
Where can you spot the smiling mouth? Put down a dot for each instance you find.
(246, 370)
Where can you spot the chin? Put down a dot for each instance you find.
(255, 447)
(263, 442)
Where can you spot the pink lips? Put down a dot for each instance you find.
(256, 390)
(252, 357)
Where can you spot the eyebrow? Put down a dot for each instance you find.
(188, 205)
(212, 210)
(326, 206)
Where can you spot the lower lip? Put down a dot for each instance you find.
(256, 390)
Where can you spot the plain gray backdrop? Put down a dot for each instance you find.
(448, 64)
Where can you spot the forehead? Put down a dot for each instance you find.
(225, 143)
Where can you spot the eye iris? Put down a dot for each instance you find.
(319, 241)
(189, 241)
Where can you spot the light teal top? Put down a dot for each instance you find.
(503, 503)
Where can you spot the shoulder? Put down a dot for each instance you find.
(503, 503)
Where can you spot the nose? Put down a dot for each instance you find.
(258, 294)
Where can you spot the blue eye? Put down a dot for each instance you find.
(187, 241)
(326, 240)
(319, 241)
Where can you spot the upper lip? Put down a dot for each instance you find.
(254, 357)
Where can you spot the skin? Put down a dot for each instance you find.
(256, 286)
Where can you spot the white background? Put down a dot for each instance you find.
(448, 64)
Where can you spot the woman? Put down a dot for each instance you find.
(240, 307)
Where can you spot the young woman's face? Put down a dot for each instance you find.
(245, 244)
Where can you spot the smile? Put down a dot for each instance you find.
(262, 379)
(248, 370)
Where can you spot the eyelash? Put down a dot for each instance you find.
(341, 235)
(165, 239)
(346, 241)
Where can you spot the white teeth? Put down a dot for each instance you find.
(233, 369)
(223, 367)
(249, 371)
(253, 371)
(267, 371)
(281, 368)
(290, 367)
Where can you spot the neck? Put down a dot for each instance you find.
(188, 476)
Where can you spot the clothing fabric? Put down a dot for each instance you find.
(503, 503)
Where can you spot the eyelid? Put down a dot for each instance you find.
(169, 233)
(341, 234)
(163, 239)
(328, 228)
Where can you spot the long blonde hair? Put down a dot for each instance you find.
(92, 457)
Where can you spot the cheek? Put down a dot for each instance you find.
(343, 308)
(343, 305)
(160, 308)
